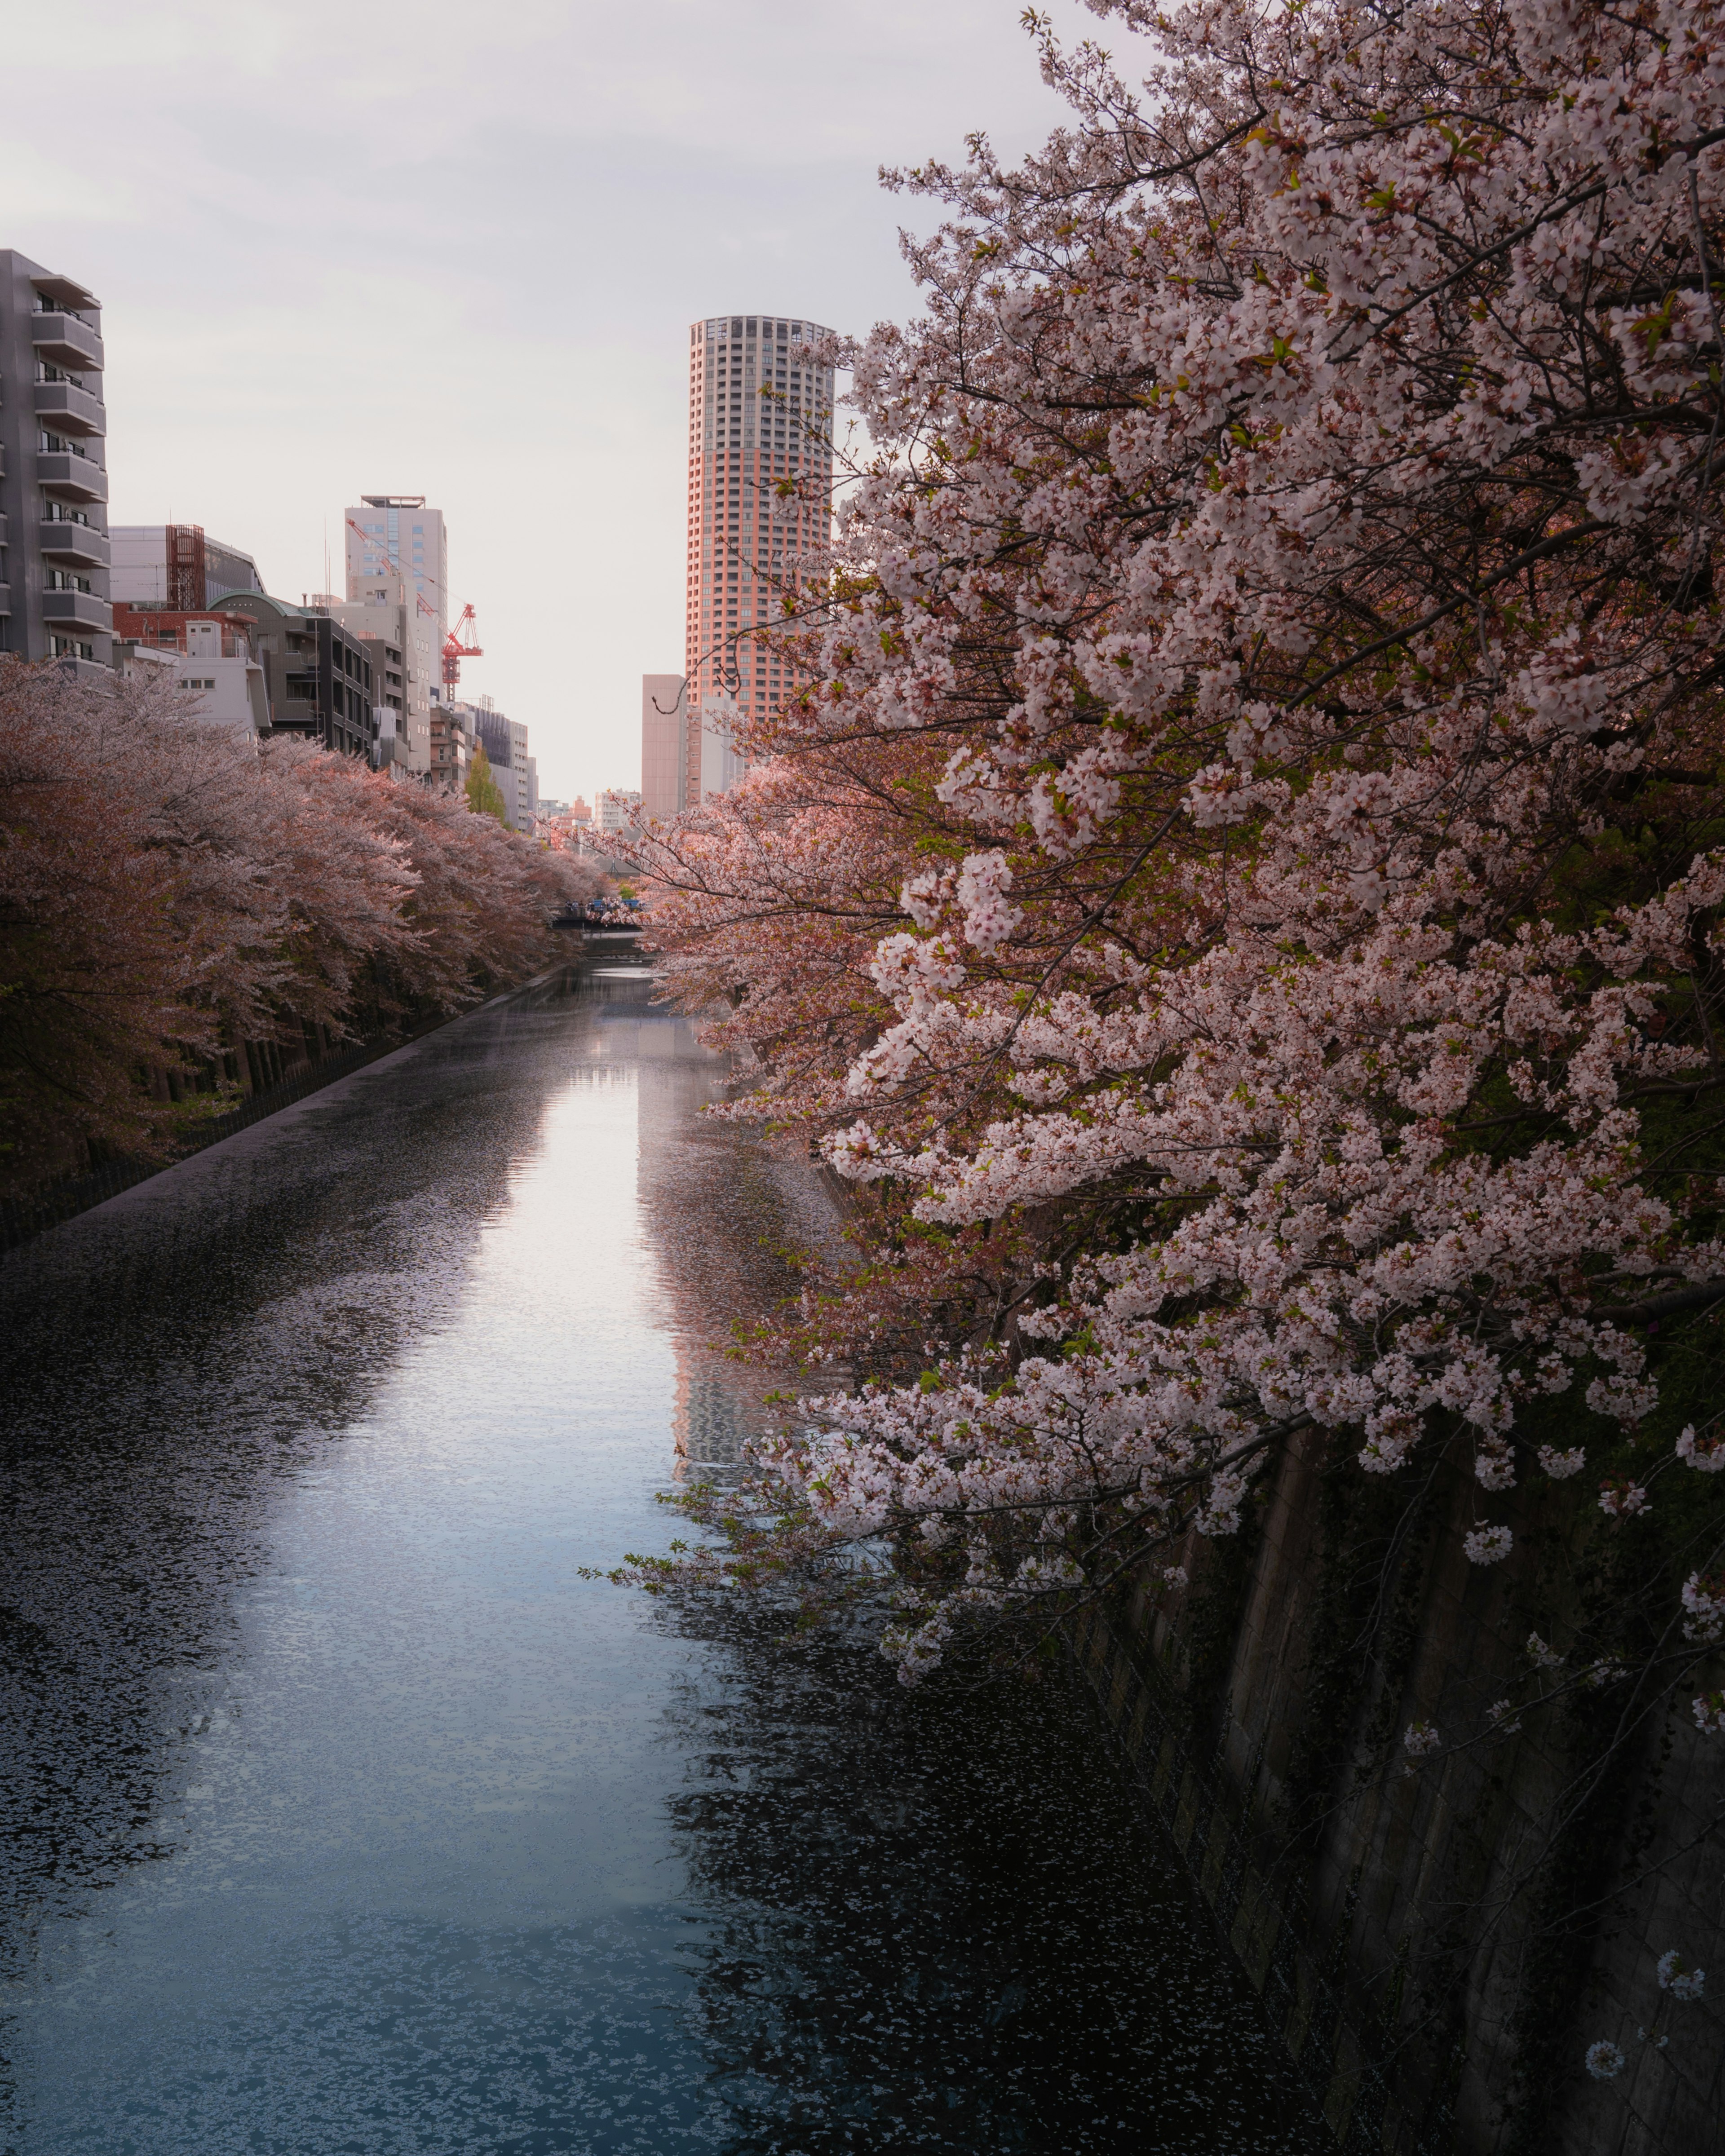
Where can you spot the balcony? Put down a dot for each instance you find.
(67, 339)
(68, 612)
(63, 541)
(64, 472)
(64, 406)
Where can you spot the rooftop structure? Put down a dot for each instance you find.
(177, 566)
(208, 655)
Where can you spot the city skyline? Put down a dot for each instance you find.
(494, 311)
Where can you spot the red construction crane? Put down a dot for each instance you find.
(455, 650)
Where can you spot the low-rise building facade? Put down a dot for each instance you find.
(209, 656)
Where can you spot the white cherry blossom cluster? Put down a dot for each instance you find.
(1704, 1601)
(1676, 1977)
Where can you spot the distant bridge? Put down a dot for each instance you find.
(600, 924)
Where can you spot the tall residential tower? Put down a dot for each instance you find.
(760, 410)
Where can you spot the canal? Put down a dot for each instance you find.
(339, 1813)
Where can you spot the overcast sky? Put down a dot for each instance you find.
(348, 246)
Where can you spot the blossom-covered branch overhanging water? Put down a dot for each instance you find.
(1241, 900)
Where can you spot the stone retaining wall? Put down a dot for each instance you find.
(1402, 1944)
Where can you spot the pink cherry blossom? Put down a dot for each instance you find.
(1200, 904)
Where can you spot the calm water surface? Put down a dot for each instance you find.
(339, 1814)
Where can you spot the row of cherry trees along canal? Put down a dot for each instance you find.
(1242, 904)
(172, 897)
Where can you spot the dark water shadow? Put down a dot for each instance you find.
(939, 1922)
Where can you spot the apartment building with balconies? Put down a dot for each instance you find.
(54, 479)
(453, 741)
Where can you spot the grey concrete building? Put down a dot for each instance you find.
(319, 673)
(389, 613)
(516, 771)
(54, 479)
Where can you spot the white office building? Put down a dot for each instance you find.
(396, 533)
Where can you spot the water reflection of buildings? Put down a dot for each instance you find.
(720, 1209)
(708, 1425)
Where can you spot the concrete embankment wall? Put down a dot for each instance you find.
(1437, 1943)
(270, 1082)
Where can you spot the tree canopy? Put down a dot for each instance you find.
(169, 891)
(1242, 891)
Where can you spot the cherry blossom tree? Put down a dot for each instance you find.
(1242, 894)
(95, 972)
(1240, 903)
(170, 892)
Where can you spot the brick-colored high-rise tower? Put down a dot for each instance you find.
(746, 545)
